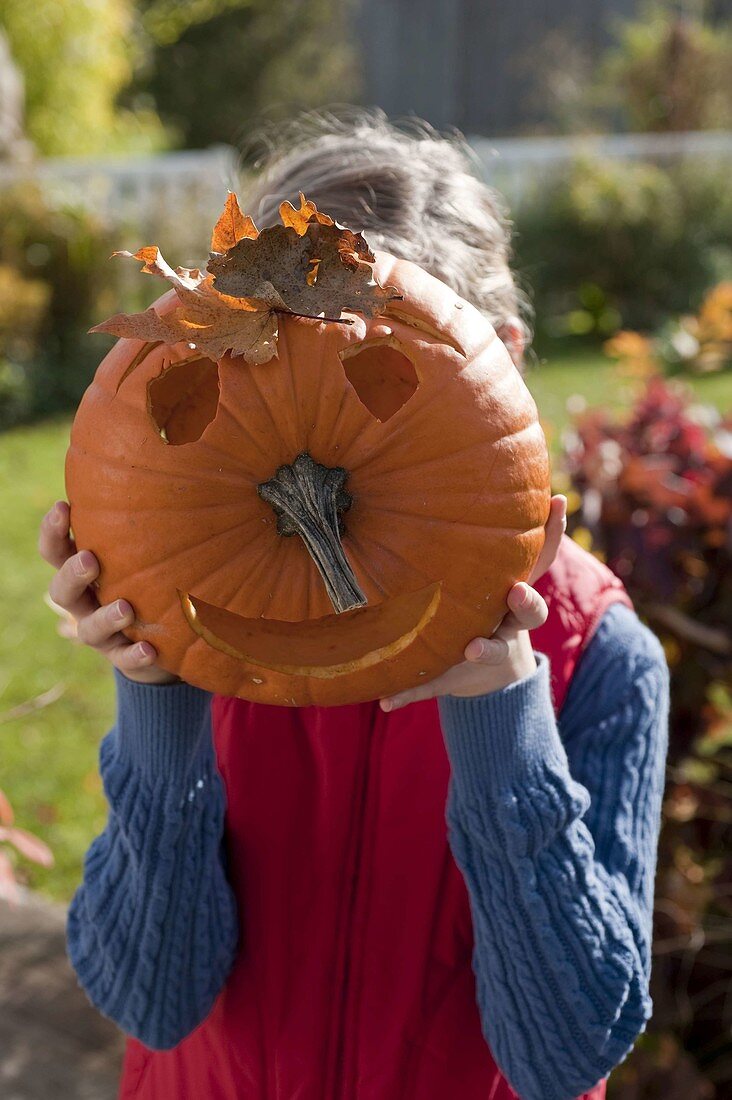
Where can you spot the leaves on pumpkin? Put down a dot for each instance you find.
(309, 266)
(182, 278)
(232, 226)
(206, 319)
(209, 324)
(300, 219)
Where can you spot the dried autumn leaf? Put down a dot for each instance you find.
(232, 226)
(308, 213)
(300, 219)
(182, 278)
(309, 266)
(204, 318)
(210, 325)
(316, 273)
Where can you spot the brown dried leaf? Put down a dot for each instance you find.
(205, 319)
(182, 278)
(300, 219)
(232, 226)
(318, 273)
(211, 326)
(309, 266)
(308, 214)
(138, 326)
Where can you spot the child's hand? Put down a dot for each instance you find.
(494, 663)
(95, 626)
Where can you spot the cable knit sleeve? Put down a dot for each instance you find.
(152, 930)
(555, 829)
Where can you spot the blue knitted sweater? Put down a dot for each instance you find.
(553, 824)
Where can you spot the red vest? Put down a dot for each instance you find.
(354, 979)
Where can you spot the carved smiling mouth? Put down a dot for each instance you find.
(309, 500)
(357, 639)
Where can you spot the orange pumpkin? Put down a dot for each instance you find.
(401, 451)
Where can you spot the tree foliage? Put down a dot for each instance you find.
(655, 502)
(671, 70)
(76, 58)
(668, 68)
(214, 66)
(611, 244)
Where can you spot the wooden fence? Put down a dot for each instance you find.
(139, 195)
(187, 189)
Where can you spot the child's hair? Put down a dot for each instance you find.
(413, 191)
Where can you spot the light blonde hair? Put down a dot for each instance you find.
(413, 191)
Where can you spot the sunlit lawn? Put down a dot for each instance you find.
(592, 377)
(48, 756)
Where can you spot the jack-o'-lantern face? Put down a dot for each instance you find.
(329, 526)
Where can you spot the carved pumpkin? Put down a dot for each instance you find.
(329, 526)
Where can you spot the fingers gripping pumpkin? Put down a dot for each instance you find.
(331, 514)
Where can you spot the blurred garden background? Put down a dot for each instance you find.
(608, 128)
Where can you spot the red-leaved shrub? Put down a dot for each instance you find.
(655, 502)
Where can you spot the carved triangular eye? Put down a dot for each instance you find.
(183, 399)
(382, 375)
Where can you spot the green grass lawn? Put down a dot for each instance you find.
(48, 756)
(592, 377)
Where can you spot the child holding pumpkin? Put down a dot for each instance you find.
(273, 909)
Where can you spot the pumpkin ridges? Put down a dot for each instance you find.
(359, 543)
(364, 572)
(376, 480)
(121, 507)
(462, 524)
(208, 442)
(283, 344)
(184, 475)
(407, 432)
(279, 422)
(173, 533)
(264, 419)
(317, 381)
(135, 573)
(399, 550)
(466, 324)
(196, 478)
(285, 577)
(227, 411)
(250, 581)
(331, 411)
(502, 510)
(398, 481)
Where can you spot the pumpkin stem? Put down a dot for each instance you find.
(308, 499)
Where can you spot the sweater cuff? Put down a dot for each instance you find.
(160, 727)
(501, 740)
